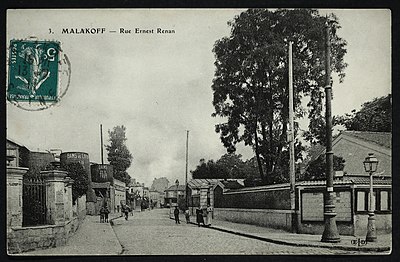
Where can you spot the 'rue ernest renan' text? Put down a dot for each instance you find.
(121, 30)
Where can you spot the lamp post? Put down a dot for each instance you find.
(330, 233)
(370, 166)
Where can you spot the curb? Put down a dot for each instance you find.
(289, 243)
(112, 220)
(121, 252)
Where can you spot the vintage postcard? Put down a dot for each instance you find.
(199, 131)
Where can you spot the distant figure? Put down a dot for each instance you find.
(209, 215)
(106, 212)
(125, 210)
(176, 215)
(187, 216)
(199, 216)
(102, 214)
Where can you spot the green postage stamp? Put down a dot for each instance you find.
(33, 71)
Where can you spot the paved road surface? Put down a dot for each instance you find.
(154, 233)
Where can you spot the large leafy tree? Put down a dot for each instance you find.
(118, 154)
(375, 116)
(251, 79)
(80, 177)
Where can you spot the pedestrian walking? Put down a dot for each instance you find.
(125, 210)
(106, 212)
(176, 215)
(102, 214)
(187, 216)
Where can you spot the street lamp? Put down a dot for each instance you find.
(370, 166)
(330, 233)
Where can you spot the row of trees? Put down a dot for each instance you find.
(228, 166)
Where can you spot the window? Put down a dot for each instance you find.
(384, 200)
(381, 200)
(361, 201)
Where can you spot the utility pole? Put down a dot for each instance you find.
(101, 141)
(186, 172)
(292, 174)
(330, 232)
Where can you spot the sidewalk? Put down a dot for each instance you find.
(91, 238)
(349, 243)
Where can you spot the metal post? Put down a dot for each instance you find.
(186, 171)
(371, 229)
(292, 174)
(330, 232)
(101, 141)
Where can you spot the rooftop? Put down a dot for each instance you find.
(380, 138)
(173, 188)
(358, 180)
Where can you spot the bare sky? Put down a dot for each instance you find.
(159, 86)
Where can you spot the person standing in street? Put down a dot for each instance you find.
(209, 215)
(106, 212)
(187, 215)
(125, 210)
(176, 215)
(102, 214)
(199, 217)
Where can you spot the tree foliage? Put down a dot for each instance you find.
(250, 84)
(228, 166)
(317, 168)
(375, 116)
(80, 177)
(118, 154)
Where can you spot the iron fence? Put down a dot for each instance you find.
(34, 211)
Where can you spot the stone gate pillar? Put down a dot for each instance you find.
(204, 188)
(68, 198)
(14, 195)
(55, 195)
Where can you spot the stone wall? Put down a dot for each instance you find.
(23, 239)
(60, 216)
(280, 219)
(383, 224)
(275, 197)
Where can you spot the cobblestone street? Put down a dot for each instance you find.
(154, 233)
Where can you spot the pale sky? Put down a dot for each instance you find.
(159, 86)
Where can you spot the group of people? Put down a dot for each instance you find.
(104, 211)
(203, 216)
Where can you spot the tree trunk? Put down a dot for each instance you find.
(260, 169)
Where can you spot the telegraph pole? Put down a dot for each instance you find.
(101, 141)
(186, 173)
(292, 174)
(330, 232)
